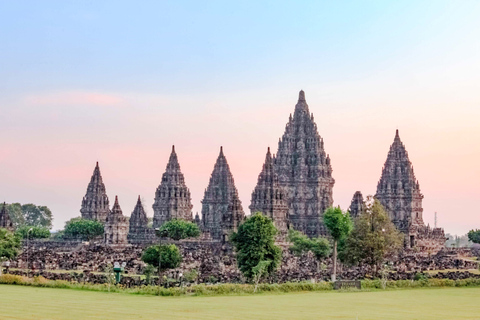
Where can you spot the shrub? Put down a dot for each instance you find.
(178, 229)
(33, 232)
(83, 228)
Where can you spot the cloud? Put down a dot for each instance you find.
(75, 98)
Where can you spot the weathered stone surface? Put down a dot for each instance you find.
(95, 204)
(5, 221)
(221, 207)
(399, 192)
(116, 226)
(172, 198)
(304, 170)
(357, 205)
(270, 198)
(138, 231)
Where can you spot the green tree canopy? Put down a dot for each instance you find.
(162, 257)
(303, 244)
(30, 215)
(255, 242)
(9, 246)
(83, 228)
(474, 236)
(373, 239)
(339, 225)
(178, 229)
(33, 232)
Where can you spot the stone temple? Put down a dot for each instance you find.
(357, 206)
(399, 192)
(116, 226)
(270, 198)
(305, 171)
(221, 207)
(172, 198)
(5, 221)
(138, 230)
(95, 203)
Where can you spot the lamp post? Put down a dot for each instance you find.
(28, 249)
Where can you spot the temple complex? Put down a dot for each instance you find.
(5, 221)
(172, 198)
(305, 171)
(269, 197)
(139, 231)
(357, 206)
(116, 226)
(221, 208)
(95, 204)
(399, 192)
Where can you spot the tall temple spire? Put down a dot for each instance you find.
(221, 207)
(5, 221)
(398, 189)
(172, 197)
(270, 198)
(305, 171)
(95, 204)
(116, 226)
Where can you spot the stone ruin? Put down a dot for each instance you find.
(5, 221)
(293, 188)
(172, 198)
(222, 210)
(116, 226)
(305, 171)
(95, 204)
(399, 192)
(270, 198)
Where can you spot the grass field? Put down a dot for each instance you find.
(19, 302)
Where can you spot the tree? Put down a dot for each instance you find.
(178, 229)
(339, 225)
(163, 257)
(255, 242)
(83, 228)
(474, 236)
(303, 244)
(374, 238)
(9, 246)
(32, 232)
(30, 215)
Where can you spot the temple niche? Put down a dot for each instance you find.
(95, 204)
(172, 197)
(116, 226)
(304, 171)
(399, 192)
(222, 210)
(270, 198)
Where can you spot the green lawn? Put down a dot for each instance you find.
(19, 302)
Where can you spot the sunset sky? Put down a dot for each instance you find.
(121, 82)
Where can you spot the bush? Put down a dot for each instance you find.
(33, 232)
(164, 257)
(178, 229)
(83, 228)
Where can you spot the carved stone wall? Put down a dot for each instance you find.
(305, 171)
(172, 198)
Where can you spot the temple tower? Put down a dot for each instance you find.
(172, 198)
(304, 170)
(357, 206)
(138, 225)
(95, 204)
(116, 226)
(5, 221)
(398, 190)
(221, 207)
(270, 198)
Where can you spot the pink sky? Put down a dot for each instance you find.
(51, 155)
